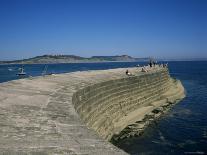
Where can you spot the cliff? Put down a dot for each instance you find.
(78, 113)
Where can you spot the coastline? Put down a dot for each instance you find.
(82, 62)
(72, 62)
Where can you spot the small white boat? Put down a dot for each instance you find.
(44, 72)
(21, 73)
(10, 69)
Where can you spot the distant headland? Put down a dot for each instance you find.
(49, 59)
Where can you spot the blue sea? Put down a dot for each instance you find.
(182, 130)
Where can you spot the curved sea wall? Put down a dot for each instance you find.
(79, 112)
(108, 107)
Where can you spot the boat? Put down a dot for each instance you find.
(21, 73)
(10, 69)
(44, 72)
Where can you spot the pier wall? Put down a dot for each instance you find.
(79, 112)
(101, 106)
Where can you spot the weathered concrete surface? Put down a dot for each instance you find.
(37, 115)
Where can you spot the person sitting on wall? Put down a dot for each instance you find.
(150, 63)
(144, 69)
(154, 63)
(165, 65)
(128, 73)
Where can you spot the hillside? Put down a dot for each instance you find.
(72, 59)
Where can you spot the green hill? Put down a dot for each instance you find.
(46, 59)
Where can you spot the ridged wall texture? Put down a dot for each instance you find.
(101, 106)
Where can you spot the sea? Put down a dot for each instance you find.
(182, 130)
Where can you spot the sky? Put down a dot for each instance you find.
(141, 28)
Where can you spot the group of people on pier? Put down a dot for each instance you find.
(151, 65)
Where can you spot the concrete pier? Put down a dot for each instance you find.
(77, 113)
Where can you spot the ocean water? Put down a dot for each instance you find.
(182, 130)
(8, 72)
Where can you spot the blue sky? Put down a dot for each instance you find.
(140, 28)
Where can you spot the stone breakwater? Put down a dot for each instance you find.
(166, 101)
(76, 113)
